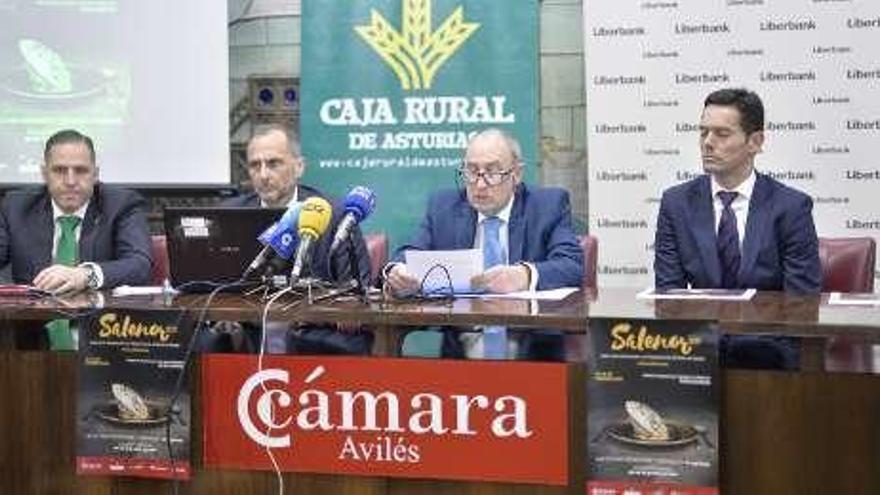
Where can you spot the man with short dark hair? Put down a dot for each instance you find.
(734, 227)
(74, 233)
(275, 167)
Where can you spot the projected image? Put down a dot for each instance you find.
(148, 81)
(46, 90)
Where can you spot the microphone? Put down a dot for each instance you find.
(280, 238)
(314, 217)
(359, 204)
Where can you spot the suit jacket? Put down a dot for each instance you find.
(539, 232)
(780, 250)
(114, 234)
(318, 339)
(339, 268)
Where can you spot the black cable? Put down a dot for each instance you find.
(178, 386)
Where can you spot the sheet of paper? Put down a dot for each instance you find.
(441, 270)
(537, 295)
(845, 299)
(706, 294)
(146, 290)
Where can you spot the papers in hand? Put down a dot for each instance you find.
(706, 294)
(445, 272)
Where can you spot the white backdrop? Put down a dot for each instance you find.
(650, 64)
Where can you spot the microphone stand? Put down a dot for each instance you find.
(361, 288)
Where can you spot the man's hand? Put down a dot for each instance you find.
(61, 279)
(400, 282)
(502, 279)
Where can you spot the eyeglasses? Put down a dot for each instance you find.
(491, 178)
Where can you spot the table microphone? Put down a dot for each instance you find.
(314, 217)
(280, 238)
(359, 204)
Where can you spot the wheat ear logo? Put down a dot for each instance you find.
(415, 53)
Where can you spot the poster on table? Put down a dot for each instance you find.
(652, 407)
(128, 424)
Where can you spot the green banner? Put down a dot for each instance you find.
(393, 89)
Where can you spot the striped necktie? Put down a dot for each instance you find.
(728, 242)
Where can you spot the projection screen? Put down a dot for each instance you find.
(148, 80)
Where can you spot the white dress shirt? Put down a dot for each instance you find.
(740, 205)
(504, 239)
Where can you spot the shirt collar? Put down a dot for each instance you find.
(744, 189)
(504, 214)
(80, 213)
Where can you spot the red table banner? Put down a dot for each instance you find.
(465, 420)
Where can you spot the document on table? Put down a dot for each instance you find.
(858, 299)
(706, 294)
(445, 271)
(535, 295)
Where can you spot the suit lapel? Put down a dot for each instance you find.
(44, 233)
(516, 228)
(87, 233)
(465, 216)
(756, 226)
(702, 225)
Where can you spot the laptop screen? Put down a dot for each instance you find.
(213, 244)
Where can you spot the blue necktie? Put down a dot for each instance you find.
(728, 242)
(494, 337)
(493, 253)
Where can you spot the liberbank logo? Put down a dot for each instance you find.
(415, 53)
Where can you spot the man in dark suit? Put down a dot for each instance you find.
(74, 233)
(274, 166)
(775, 248)
(538, 246)
(735, 227)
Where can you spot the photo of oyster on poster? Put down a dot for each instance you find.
(130, 408)
(652, 402)
(131, 418)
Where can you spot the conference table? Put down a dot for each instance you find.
(814, 430)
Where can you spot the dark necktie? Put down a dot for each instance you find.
(728, 242)
(60, 334)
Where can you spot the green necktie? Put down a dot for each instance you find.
(60, 336)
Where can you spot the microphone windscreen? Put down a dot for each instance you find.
(360, 202)
(314, 217)
(281, 236)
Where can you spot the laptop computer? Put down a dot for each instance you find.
(209, 246)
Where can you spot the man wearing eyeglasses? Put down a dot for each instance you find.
(526, 229)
